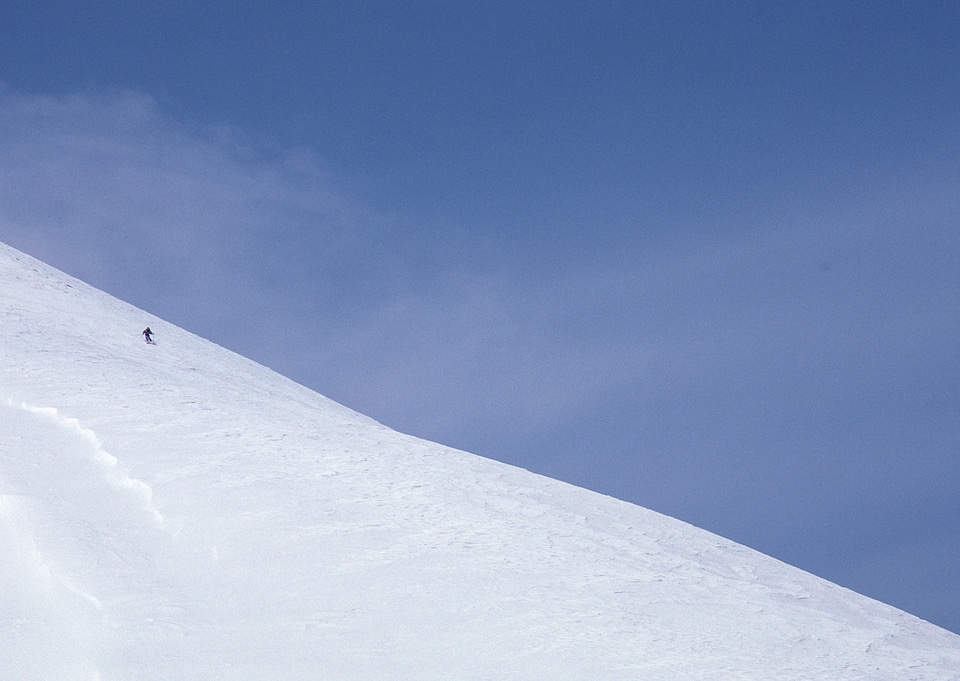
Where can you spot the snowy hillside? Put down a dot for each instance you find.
(179, 512)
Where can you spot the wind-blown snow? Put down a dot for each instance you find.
(179, 512)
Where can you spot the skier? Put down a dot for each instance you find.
(148, 334)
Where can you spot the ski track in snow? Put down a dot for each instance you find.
(19, 541)
(52, 623)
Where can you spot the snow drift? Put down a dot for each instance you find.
(179, 512)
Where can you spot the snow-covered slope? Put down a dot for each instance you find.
(179, 512)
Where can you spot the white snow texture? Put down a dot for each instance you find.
(178, 512)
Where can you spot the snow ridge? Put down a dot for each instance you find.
(106, 462)
(179, 512)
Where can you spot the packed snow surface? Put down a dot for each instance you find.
(179, 512)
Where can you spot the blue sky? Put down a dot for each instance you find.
(699, 256)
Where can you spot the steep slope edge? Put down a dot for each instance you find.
(178, 511)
